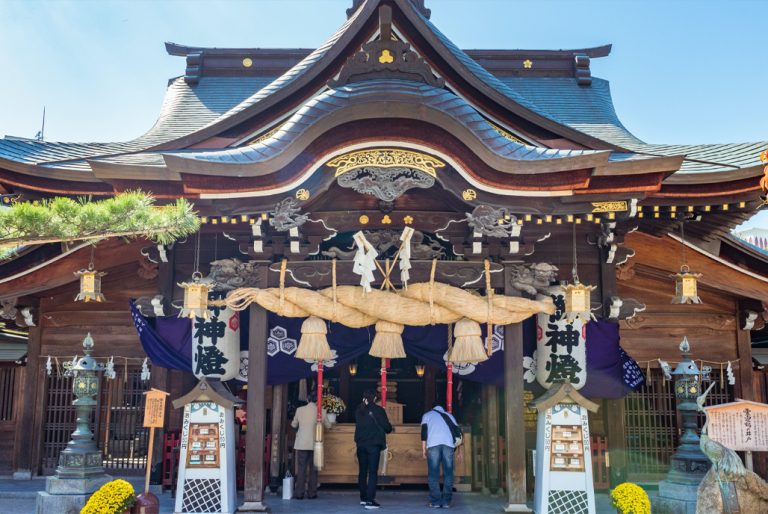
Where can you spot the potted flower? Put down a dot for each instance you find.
(115, 497)
(630, 499)
(333, 406)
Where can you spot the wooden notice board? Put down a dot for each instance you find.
(154, 408)
(740, 425)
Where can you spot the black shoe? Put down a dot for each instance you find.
(298, 497)
(372, 505)
(313, 497)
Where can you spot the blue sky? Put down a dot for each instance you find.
(681, 71)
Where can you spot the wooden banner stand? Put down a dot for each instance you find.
(154, 417)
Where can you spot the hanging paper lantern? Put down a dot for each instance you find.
(388, 341)
(686, 286)
(578, 301)
(468, 345)
(195, 298)
(313, 344)
(90, 285)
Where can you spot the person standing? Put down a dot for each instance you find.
(371, 429)
(438, 444)
(305, 421)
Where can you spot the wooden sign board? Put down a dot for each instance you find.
(740, 425)
(154, 408)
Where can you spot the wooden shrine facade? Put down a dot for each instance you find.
(386, 126)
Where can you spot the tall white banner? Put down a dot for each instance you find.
(561, 347)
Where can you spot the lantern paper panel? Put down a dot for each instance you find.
(686, 287)
(195, 300)
(560, 345)
(216, 344)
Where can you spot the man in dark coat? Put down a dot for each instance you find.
(371, 427)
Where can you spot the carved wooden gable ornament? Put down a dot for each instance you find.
(386, 58)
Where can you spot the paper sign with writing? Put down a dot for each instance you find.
(154, 408)
(741, 425)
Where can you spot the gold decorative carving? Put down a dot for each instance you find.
(247, 62)
(266, 135)
(363, 219)
(302, 194)
(469, 194)
(506, 134)
(614, 206)
(386, 220)
(386, 57)
(527, 64)
(386, 158)
(408, 220)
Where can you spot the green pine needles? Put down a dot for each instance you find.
(129, 214)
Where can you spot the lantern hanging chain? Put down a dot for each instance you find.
(196, 274)
(575, 270)
(91, 265)
(684, 267)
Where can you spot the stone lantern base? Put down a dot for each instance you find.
(67, 495)
(678, 493)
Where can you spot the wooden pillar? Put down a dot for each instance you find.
(256, 411)
(23, 452)
(514, 427)
(159, 380)
(279, 399)
(744, 348)
(617, 444)
(491, 437)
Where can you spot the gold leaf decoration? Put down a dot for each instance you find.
(386, 158)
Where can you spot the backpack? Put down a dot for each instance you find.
(458, 437)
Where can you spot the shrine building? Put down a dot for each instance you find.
(515, 175)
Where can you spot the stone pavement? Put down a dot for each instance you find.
(18, 497)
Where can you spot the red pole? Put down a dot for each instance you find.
(319, 391)
(449, 389)
(384, 366)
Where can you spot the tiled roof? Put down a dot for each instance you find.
(185, 109)
(406, 91)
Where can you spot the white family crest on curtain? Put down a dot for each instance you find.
(561, 350)
(242, 373)
(467, 368)
(279, 342)
(530, 365)
(216, 344)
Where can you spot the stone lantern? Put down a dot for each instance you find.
(688, 465)
(80, 471)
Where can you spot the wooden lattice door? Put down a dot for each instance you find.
(116, 424)
(653, 425)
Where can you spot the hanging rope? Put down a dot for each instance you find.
(421, 304)
(283, 266)
(489, 294)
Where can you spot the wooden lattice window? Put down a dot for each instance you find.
(7, 385)
(116, 423)
(653, 425)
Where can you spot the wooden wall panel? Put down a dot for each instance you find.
(656, 332)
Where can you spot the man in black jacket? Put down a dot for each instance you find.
(371, 427)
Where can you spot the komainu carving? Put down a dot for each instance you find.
(386, 184)
(493, 222)
(532, 278)
(287, 215)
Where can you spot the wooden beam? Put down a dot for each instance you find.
(256, 411)
(617, 444)
(22, 458)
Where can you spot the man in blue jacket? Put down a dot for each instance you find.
(438, 444)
